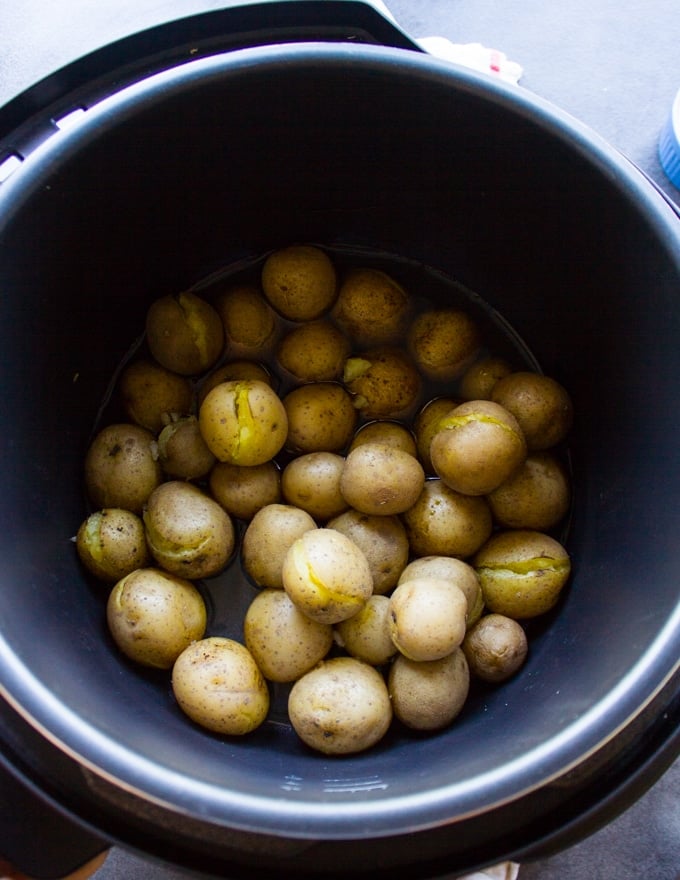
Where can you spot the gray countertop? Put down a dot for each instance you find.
(613, 65)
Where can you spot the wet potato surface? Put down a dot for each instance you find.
(353, 481)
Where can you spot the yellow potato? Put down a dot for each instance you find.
(269, 535)
(250, 323)
(366, 635)
(372, 308)
(312, 482)
(321, 418)
(443, 342)
(428, 618)
(495, 647)
(184, 333)
(381, 480)
(313, 352)
(540, 404)
(217, 683)
(429, 695)
(300, 282)
(284, 642)
(243, 422)
(151, 395)
(154, 615)
(242, 490)
(341, 707)
(111, 543)
(383, 541)
(462, 574)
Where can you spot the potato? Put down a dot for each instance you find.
(300, 282)
(383, 541)
(366, 635)
(428, 617)
(388, 433)
(188, 533)
(384, 382)
(426, 424)
(478, 381)
(540, 404)
(312, 483)
(536, 496)
(151, 395)
(217, 683)
(340, 707)
(233, 371)
(284, 642)
(122, 467)
(313, 352)
(154, 615)
(250, 324)
(111, 543)
(522, 572)
(182, 451)
(321, 418)
(495, 648)
(443, 342)
(381, 480)
(429, 695)
(184, 333)
(476, 447)
(243, 422)
(268, 538)
(372, 308)
(462, 574)
(446, 523)
(242, 490)
(327, 576)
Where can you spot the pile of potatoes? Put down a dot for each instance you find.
(392, 489)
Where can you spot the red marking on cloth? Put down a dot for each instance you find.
(495, 61)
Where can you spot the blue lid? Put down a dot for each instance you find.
(669, 144)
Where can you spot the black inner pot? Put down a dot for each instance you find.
(363, 148)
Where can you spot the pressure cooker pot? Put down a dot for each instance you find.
(190, 155)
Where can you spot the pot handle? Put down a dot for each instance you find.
(35, 114)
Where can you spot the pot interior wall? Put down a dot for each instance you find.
(176, 180)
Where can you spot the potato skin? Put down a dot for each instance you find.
(217, 683)
(321, 418)
(268, 538)
(243, 490)
(184, 333)
(461, 573)
(111, 543)
(495, 647)
(313, 352)
(429, 695)
(188, 533)
(341, 707)
(383, 541)
(299, 281)
(284, 642)
(427, 617)
(384, 381)
(153, 616)
(443, 342)
(150, 394)
(540, 404)
(536, 496)
(312, 482)
(372, 307)
(366, 635)
(122, 468)
(381, 480)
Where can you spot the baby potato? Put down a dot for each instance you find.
(381, 480)
(447, 523)
(312, 483)
(217, 683)
(340, 707)
(443, 342)
(426, 425)
(536, 496)
(269, 535)
(478, 381)
(284, 642)
(300, 282)
(242, 490)
(428, 618)
(122, 467)
(366, 635)
(476, 447)
(250, 324)
(384, 382)
(188, 533)
(540, 404)
(154, 615)
(233, 371)
(321, 418)
(313, 352)
(327, 576)
(429, 695)
(182, 451)
(522, 572)
(372, 308)
(462, 574)
(383, 541)
(388, 433)
(184, 333)
(151, 395)
(111, 543)
(495, 647)
(243, 422)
